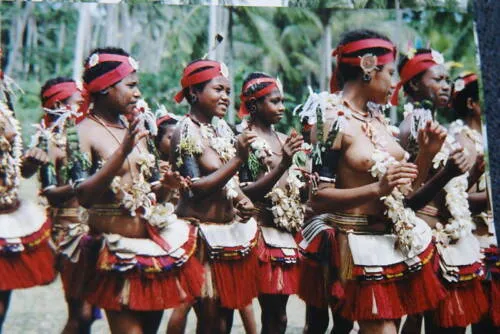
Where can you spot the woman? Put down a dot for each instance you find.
(468, 128)
(144, 264)
(426, 82)
(273, 182)
(384, 259)
(204, 148)
(26, 258)
(61, 98)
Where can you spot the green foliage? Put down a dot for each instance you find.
(285, 42)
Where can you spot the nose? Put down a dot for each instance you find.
(446, 85)
(281, 107)
(137, 93)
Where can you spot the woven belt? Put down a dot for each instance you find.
(65, 212)
(108, 210)
(429, 211)
(357, 223)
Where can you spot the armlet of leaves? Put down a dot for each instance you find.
(188, 147)
(255, 166)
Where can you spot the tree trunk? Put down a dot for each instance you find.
(81, 37)
(17, 42)
(61, 39)
(230, 22)
(326, 60)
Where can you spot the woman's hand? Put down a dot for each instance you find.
(36, 156)
(292, 145)
(458, 163)
(174, 180)
(431, 138)
(397, 175)
(133, 136)
(243, 143)
(245, 208)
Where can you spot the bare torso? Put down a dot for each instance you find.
(102, 142)
(211, 207)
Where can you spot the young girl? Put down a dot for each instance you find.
(204, 148)
(425, 80)
(467, 108)
(145, 262)
(26, 258)
(61, 99)
(271, 181)
(384, 259)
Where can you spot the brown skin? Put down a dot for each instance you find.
(121, 160)
(264, 113)
(165, 143)
(209, 202)
(434, 86)
(356, 191)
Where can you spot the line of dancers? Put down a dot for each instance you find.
(150, 211)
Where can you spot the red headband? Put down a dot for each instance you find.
(58, 92)
(259, 93)
(128, 65)
(214, 69)
(412, 68)
(162, 119)
(470, 78)
(342, 53)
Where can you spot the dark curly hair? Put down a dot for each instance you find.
(403, 59)
(459, 100)
(96, 71)
(198, 87)
(348, 72)
(51, 82)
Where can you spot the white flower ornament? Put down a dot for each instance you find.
(93, 60)
(224, 70)
(459, 85)
(133, 63)
(368, 62)
(437, 57)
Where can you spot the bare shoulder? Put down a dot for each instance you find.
(404, 132)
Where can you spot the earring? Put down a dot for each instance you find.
(253, 109)
(193, 99)
(366, 77)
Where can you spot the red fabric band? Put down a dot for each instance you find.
(59, 92)
(213, 70)
(469, 79)
(342, 53)
(262, 92)
(107, 79)
(412, 68)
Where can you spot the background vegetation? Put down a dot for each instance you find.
(43, 40)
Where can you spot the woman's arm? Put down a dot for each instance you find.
(456, 165)
(258, 189)
(330, 199)
(90, 191)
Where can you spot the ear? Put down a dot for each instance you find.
(414, 85)
(58, 105)
(470, 103)
(252, 105)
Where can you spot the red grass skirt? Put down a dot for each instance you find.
(407, 293)
(465, 303)
(30, 267)
(276, 276)
(76, 275)
(495, 302)
(234, 281)
(142, 291)
(319, 283)
(155, 283)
